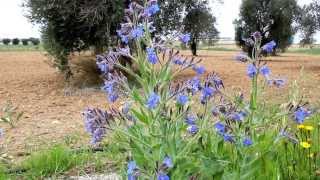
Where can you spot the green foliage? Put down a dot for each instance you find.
(34, 41)
(25, 42)
(6, 41)
(273, 16)
(307, 24)
(15, 41)
(75, 25)
(315, 8)
(51, 162)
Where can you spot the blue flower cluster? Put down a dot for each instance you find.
(96, 122)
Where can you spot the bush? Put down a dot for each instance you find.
(190, 129)
(25, 42)
(35, 41)
(15, 41)
(6, 41)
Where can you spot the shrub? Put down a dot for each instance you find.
(171, 129)
(6, 41)
(35, 41)
(15, 41)
(25, 42)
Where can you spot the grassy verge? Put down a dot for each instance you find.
(313, 51)
(61, 161)
(9, 48)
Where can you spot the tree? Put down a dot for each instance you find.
(75, 25)
(25, 42)
(201, 24)
(307, 24)
(34, 41)
(15, 41)
(191, 16)
(6, 41)
(273, 18)
(315, 10)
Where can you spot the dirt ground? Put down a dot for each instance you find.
(52, 111)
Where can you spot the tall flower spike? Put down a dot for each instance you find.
(96, 122)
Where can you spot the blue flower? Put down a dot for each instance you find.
(182, 99)
(191, 120)
(98, 135)
(227, 138)
(268, 48)
(207, 93)
(152, 10)
(95, 121)
(221, 128)
(113, 97)
(103, 67)
(257, 35)
(194, 85)
(176, 60)
(152, 56)
(238, 116)
(252, 70)
(242, 57)
(199, 69)
(247, 142)
(167, 162)
(162, 176)
(124, 39)
(193, 129)
(132, 177)
(132, 166)
(153, 101)
(301, 114)
(137, 32)
(265, 71)
(185, 38)
(108, 87)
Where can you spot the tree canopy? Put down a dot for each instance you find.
(73, 25)
(273, 18)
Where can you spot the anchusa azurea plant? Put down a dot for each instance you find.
(169, 128)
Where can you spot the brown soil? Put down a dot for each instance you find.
(53, 110)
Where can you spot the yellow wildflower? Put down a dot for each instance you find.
(301, 126)
(305, 145)
(309, 128)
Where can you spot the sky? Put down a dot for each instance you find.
(14, 24)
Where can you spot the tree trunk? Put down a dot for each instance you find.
(194, 47)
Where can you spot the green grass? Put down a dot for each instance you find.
(313, 51)
(10, 48)
(60, 160)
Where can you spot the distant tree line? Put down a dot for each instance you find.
(24, 41)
